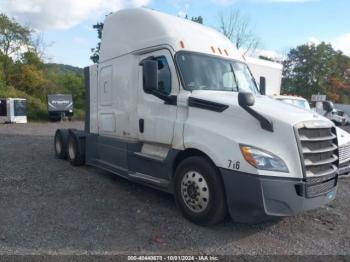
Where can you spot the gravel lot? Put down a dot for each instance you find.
(48, 206)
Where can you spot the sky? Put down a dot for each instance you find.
(66, 25)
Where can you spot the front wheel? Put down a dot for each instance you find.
(199, 191)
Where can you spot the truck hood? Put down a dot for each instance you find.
(270, 108)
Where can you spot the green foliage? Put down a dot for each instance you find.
(36, 108)
(63, 69)
(27, 76)
(313, 69)
(266, 58)
(73, 84)
(13, 37)
(96, 51)
(197, 19)
(79, 114)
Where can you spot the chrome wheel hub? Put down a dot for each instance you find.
(195, 191)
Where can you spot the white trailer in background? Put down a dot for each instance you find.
(13, 110)
(268, 70)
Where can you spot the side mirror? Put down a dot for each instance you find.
(328, 106)
(262, 85)
(150, 75)
(246, 99)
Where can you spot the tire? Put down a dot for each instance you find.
(60, 143)
(75, 153)
(199, 191)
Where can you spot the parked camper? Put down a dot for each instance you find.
(13, 110)
(59, 106)
(173, 105)
(267, 71)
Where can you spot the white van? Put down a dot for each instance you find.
(172, 105)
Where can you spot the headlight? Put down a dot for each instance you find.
(262, 159)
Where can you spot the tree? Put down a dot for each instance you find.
(74, 84)
(266, 58)
(96, 51)
(312, 69)
(27, 76)
(39, 46)
(237, 27)
(32, 58)
(197, 19)
(13, 37)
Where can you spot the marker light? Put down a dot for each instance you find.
(262, 159)
(212, 49)
(219, 51)
(247, 155)
(182, 44)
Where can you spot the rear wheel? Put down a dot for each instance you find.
(199, 192)
(60, 143)
(75, 152)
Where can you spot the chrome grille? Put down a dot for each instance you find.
(319, 156)
(318, 189)
(318, 145)
(344, 153)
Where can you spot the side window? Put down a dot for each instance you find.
(164, 76)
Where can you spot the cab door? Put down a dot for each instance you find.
(156, 118)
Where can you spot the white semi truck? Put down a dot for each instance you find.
(171, 104)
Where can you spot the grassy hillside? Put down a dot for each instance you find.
(62, 68)
(35, 82)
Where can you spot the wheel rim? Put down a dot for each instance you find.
(71, 150)
(58, 145)
(195, 191)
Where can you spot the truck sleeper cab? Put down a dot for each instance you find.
(171, 104)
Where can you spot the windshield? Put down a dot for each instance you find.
(299, 103)
(204, 72)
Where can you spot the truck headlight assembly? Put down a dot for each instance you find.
(262, 159)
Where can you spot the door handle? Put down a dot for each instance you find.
(141, 125)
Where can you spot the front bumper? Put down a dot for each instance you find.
(254, 198)
(344, 170)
